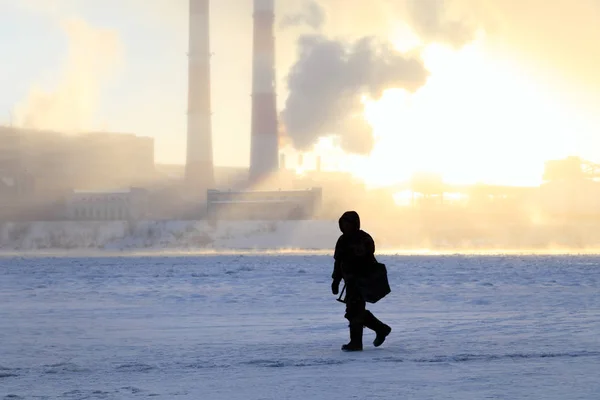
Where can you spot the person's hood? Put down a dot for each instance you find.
(353, 220)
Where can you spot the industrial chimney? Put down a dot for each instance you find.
(282, 161)
(264, 138)
(199, 172)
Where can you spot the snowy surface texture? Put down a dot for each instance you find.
(267, 327)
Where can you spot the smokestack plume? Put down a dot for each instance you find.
(264, 136)
(199, 172)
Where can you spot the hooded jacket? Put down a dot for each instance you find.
(354, 250)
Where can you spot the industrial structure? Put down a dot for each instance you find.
(109, 205)
(264, 205)
(571, 189)
(264, 150)
(199, 173)
(58, 161)
(39, 168)
(14, 179)
(52, 169)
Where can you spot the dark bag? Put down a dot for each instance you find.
(374, 286)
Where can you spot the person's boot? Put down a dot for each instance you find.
(356, 333)
(382, 330)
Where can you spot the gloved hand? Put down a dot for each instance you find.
(335, 287)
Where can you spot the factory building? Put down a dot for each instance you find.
(111, 205)
(57, 162)
(15, 182)
(571, 189)
(10, 150)
(40, 168)
(264, 205)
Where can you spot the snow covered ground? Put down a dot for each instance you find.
(267, 327)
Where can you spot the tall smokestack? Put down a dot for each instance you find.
(264, 139)
(199, 171)
(282, 161)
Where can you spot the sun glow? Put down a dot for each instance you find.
(479, 118)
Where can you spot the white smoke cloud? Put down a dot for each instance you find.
(328, 81)
(93, 57)
(312, 14)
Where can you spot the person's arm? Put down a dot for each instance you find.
(337, 268)
(337, 271)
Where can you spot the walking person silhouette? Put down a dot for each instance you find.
(354, 259)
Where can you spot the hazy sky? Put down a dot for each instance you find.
(486, 90)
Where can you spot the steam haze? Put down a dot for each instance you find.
(172, 182)
(433, 22)
(475, 91)
(549, 41)
(555, 36)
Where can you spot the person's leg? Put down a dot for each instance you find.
(355, 310)
(381, 329)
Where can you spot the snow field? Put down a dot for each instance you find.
(267, 327)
